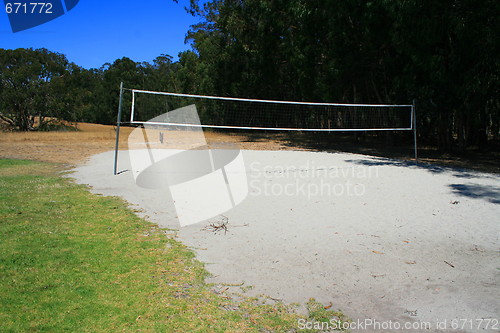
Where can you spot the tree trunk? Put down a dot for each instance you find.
(461, 128)
(444, 133)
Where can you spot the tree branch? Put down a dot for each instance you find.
(7, 120)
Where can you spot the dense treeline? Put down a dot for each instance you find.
(442, 53)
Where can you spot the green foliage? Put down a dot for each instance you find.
(444, 54)
(26, 84)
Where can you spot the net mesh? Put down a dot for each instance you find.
(270, 115)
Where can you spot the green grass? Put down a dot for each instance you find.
(74, 261)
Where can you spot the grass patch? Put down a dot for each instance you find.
(74, 261)
(318, 314)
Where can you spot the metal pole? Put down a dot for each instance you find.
(118, 123)
(414, 123)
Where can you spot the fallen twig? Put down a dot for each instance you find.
(218, 226)
(449, 264)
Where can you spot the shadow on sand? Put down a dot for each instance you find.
(477, 191)
(489, 193)
(436, 169)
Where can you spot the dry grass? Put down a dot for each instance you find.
(59, 147)
(74, 147)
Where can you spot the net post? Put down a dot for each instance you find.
(118, 123)
(414, 126)
(132, 109)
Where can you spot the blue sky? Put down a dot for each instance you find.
(96, 32)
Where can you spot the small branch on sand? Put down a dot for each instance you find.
(218, 226)
(449, 264)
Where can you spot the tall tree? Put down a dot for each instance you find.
(28, 85)
(442, 53)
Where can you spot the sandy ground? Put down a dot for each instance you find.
(374, 237)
